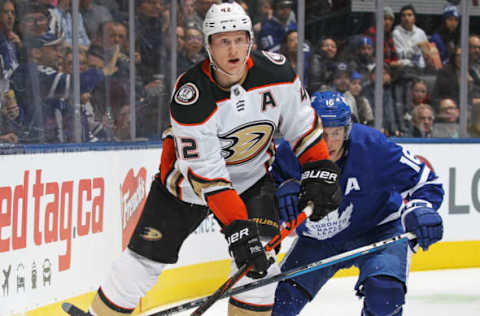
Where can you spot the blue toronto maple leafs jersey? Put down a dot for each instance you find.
(378, 176)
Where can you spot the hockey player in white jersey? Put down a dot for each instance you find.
(216, 156)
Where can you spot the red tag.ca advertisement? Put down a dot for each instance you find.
(133, 196)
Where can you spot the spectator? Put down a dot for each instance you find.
(390, 55)
(62, 13)
(391, 114)
(38, 81)
(122, 123)
(407, 37)
(33, 19)
(365, 112)
(323, 65)
(474, 58)
(194, 50)
(150, 39)
(264, 13)
(422, 121)
(362, 59)
(93, 16)
(447, 37)
(202, 6)
(188, 15)
(419, 95)
(273, 31)
(446, 124)
(11, 124)
(474, 126)
(447, 81)
(341, 83)
(9, 42)
(289, 49)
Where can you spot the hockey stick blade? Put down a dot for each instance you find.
(206, 302)
(73, 310)
(345, 256)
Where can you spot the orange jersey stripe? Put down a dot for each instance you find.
(168, 158)
(319, 151)
(227, 206)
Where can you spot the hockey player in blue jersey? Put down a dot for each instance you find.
(387, 191)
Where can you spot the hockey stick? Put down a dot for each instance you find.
(206, 302)
(348, 255)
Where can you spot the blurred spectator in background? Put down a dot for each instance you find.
(11, 124)
(474, 59)
(188, 15)
(323, 64)
(264, 12)
(289, 49)
(390, 55)
(122, 124)
(42, 90)
(447, 81)
(362, 58)
(9, 43)
(407, 37)
(341, 83)
(202, 6)
(365, 112)
(447, 37)
(273, 31)
(33, 19)
(194, 50)
(93, 16)
(474, 126)
(419, 95)
(113, 7)
(150, 38)
(391, 114)
(422, 121)
(446, 123)
(63, 13)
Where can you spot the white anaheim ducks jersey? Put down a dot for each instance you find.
(224, 139)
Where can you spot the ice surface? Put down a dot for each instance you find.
(438, 293)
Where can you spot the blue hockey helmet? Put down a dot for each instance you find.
(332, 109)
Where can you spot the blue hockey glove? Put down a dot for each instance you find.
(287, 197)
(425, 222)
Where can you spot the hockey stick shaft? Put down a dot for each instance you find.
(242, 271)
(345, 256)
(342, 257)
(205, 302)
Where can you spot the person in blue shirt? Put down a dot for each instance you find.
(386, 191)
(273, 30)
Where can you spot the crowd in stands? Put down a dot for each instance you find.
(421, 72)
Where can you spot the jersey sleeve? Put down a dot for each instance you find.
(285, 165)
(301, 127)
(199, 159)
(403, 171)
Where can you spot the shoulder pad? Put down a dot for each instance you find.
(269, 68)
(193, 101)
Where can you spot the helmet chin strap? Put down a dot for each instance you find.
(215, 67)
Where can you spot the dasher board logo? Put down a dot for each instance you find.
(187, 94)
(133, 196)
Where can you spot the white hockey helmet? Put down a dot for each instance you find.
(226, 17)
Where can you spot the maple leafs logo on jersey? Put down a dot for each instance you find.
(246, 142)
(187, 94)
